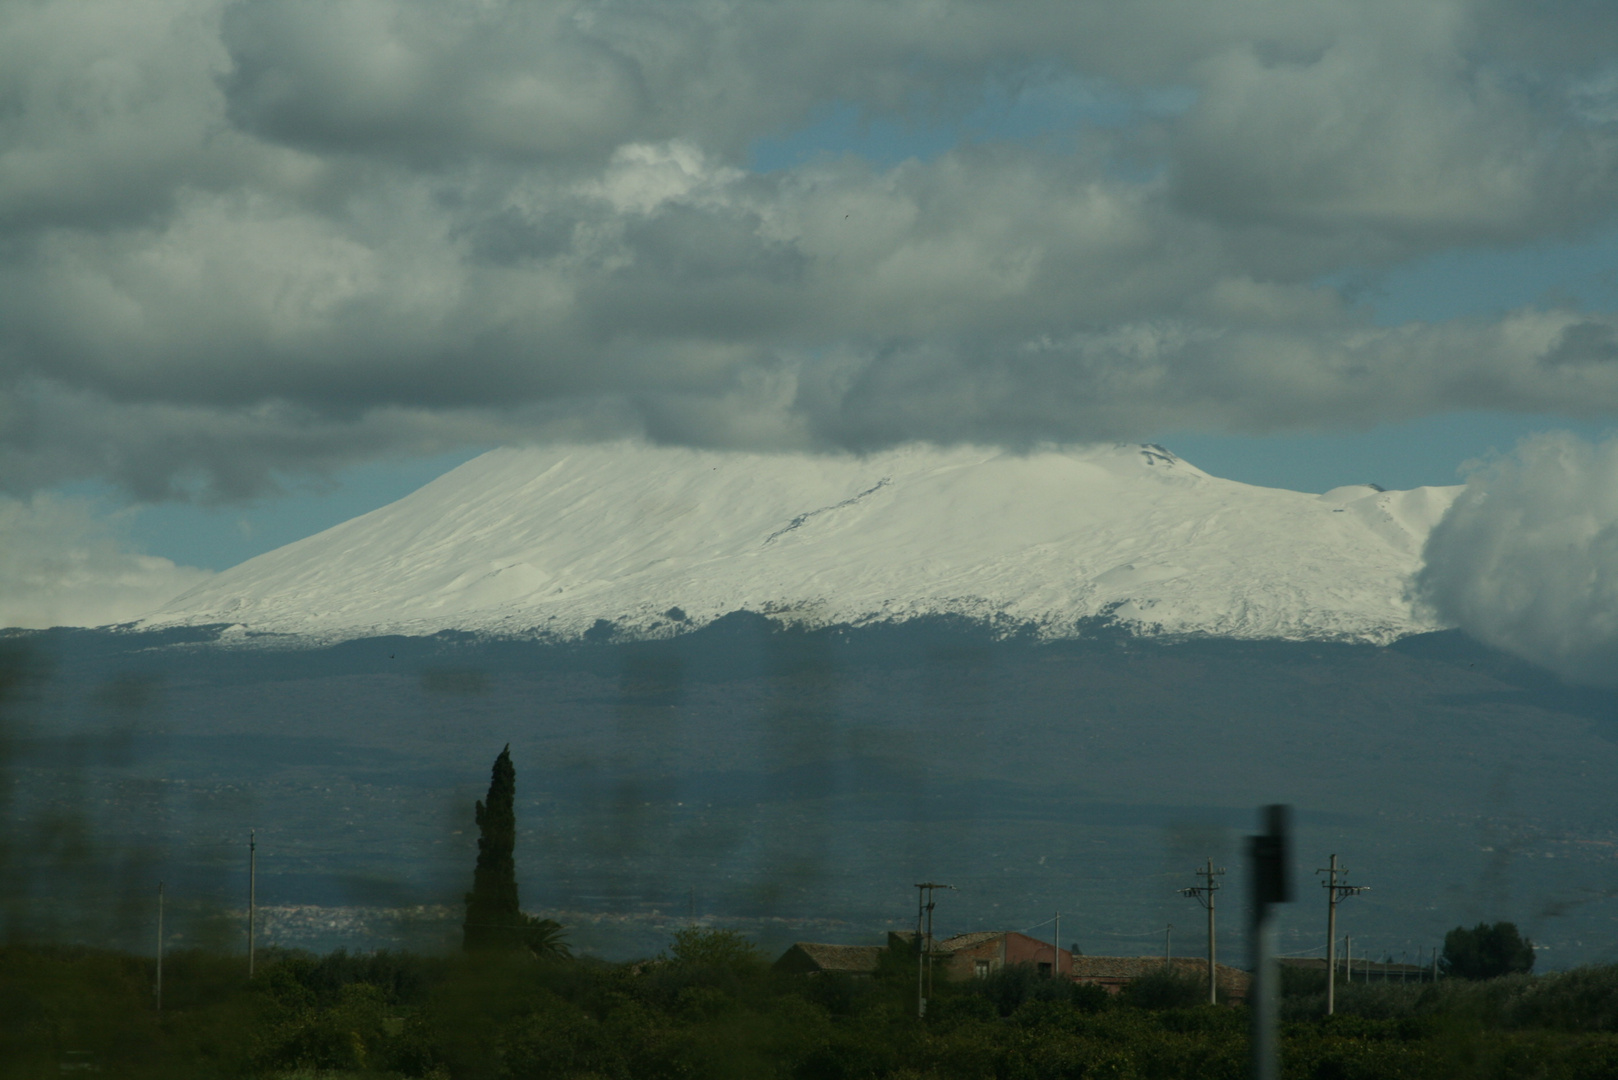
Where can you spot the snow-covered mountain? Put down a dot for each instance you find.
(656, 540)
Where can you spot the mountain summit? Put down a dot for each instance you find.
(550, 541)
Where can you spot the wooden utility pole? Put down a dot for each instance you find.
(1334, 892)
(921, 952)
(252, 895)
(924, 942)
(1204, 895)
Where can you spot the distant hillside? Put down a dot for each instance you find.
(759, 772)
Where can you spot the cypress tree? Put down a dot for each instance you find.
(494, 920)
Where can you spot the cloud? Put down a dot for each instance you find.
(1394, 132)
(1527, 558)
(241, 240)
(62, 565)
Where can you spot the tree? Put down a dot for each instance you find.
(727, 949)
(544, 938)
(494, 921)
(1487, 952)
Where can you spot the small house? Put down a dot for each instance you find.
(980, 954)
(811, 958)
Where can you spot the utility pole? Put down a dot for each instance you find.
(930, 906)
(1168, 950)
(924, 942)
(921, 952)
(252, 895)
(1269, 857)
(1056, 947)
(159, 987)
(1334, 892)
(1204, 895)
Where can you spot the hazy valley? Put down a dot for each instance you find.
(759, 774)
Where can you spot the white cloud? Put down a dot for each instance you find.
(243, 238)
(61, 565)
(1527, 558)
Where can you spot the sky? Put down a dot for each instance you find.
(264, 266)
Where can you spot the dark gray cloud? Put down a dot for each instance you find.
(239, 240)
(1527, 559)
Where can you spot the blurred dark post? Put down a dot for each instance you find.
(1270, 857)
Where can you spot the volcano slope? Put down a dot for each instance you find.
(551, 542)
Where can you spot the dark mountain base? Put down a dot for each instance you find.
(749, 771)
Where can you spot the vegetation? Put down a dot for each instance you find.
(710, 1007)
(495, 921)
(515, 1005)
(493, 914)
(721, 950)
(1487, 952)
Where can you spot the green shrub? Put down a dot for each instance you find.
(837, 993)
(1301, 981)
(1166, 989)
(1008, 988)
(405, 979)
(1090, 998)
(960, 1008)
(724, 949)
(1583, 999)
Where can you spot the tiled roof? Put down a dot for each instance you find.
(1133, 967)
(853, 958)
(961, 941)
